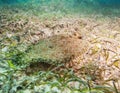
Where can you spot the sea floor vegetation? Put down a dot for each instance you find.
(55, 52)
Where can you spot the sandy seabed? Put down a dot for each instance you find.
(102, 57)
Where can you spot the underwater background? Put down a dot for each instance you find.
(97, 7)
(59, 46)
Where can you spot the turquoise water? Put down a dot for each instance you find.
(110, 3)
(102, 7)
(102, 2)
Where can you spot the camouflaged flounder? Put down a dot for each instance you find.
(57, 49)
